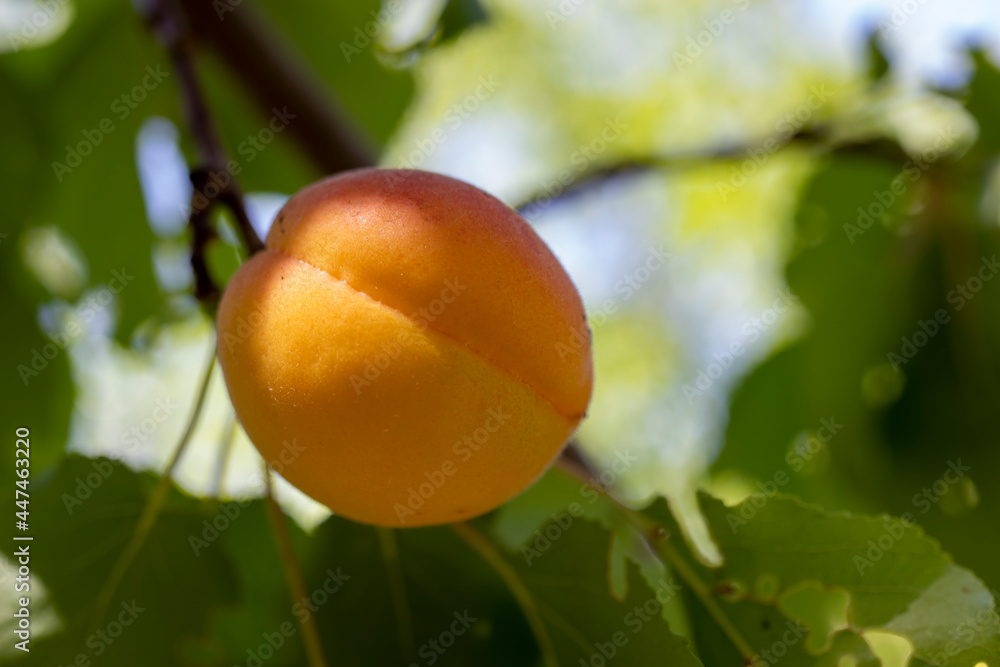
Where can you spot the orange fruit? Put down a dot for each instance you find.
(406, 350)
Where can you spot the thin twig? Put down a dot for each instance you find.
(202, 233)
(521, 594)
(168, 22)
(222, 459)
(155, 504)
(397, 585)
(600, 174)
(819, 137)
(293, 572)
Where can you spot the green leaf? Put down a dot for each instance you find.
(459, 16)
(567, 572)
(423, 582)
(930, 620)
(267, 608)
(838, 576)
(983, 103)
(902, 426)
(862, 295)
(409, 597)
(878, 65)
(35, 386)
(82, 514)
(84, 99)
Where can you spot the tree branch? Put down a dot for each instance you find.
(202, 233)
(274, 76)
(169, 25)
(819, 136)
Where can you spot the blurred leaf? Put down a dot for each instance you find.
(36, 388)
(856, 320)
(420, 597)
(459, 16)
(869, 296)
(984, 103)
(266, 607)
(90, 92)
(82, 515)
(878, 65)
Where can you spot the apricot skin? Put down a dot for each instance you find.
(406, 350)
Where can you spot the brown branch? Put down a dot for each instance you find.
(276, 77)
(600, 174)
(169, 25)
(815, 136)
(202, 233)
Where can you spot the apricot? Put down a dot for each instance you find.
(406, 350)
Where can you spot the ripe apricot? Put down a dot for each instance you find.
(406, 350)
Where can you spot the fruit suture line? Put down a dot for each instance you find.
(423, 318)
